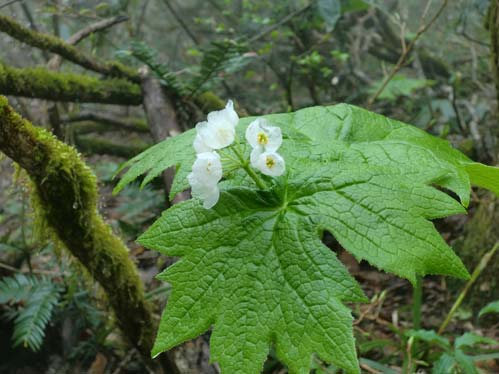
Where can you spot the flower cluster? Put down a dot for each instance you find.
(218, 132)
(265, 140)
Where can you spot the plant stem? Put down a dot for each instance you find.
(480, 267)
(417, 299)
(245, 165)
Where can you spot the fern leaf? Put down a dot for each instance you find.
(16, 288)
(39, 297)
(149, 56)
(30, 324)
(220, 57)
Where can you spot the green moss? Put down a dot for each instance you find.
(58, 46)
(65, 199)
(44, 84)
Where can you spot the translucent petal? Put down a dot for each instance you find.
(207, 169)
(255, 155)
(271, 164)
(216, 134)
(260, 133)
(227, 116)
(200, 146)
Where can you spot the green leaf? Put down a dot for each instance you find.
(429, 336)
(330, 11)
(400, 85)
(484, 176)
(444, 365)
(254, 267)
(492, 307)
(353, 5)
(469, 340)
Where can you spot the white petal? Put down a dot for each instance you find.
(252, 133)
(275, 138)
(207, 169)
(211, 198)
(227, 116)
(209, 194)
(271, 164)
(255, 155)
(260, 133)
(200, 146)
(216, 134)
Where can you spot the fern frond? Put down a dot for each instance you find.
(38, 297)
(16, 288)
(221, 56)
(30, 324)
(149, 56)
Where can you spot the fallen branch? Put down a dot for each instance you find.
(43, 84)
(58, 46)
(65, 197)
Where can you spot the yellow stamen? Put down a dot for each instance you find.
(270, 162)
(262, 138)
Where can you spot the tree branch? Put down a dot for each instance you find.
(406, 50)
(56, 61)
(58, 46)
(65, 197)
(43, 84)
(134, 124)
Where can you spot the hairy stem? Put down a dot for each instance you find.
(247, 168)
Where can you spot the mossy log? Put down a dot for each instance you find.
(41, 83)
(60, 47)
(65, 195)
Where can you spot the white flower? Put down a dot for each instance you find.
(270, 163)
(260, 134)
(218, 131)
(200, 146)
(204, 178)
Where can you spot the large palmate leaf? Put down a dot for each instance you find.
(254, 266)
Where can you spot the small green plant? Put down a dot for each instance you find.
(455, 358)
(252, 262)
(30, 301)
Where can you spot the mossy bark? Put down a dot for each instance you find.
(58, 46)
(44, 84)
(65, 194)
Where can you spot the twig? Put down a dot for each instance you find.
(56, 45)
(275, 26)
(406, 51)
(8, 3)
(478, 270)
(56, 61)
(180, 21)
